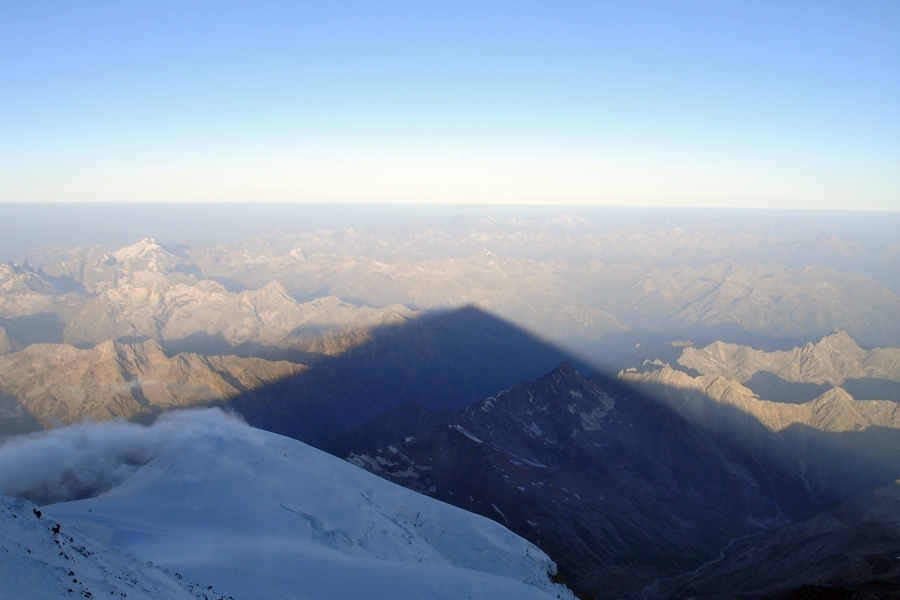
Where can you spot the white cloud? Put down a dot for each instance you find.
(87, 459)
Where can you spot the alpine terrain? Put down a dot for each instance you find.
(665, 404)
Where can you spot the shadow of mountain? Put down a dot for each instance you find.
(230, 285)
(15, 419)
(769, 386)
(63, 284)
(846, 549)
(214, 344)
(389, 427)
(662, 486)
(38, 328)
(870, 388)
(678, 478)
(831, 465)
(443, 360)
(189, 269)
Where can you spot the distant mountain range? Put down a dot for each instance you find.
(561, 279)
(57, 384)
(789, 376)
(143, 292)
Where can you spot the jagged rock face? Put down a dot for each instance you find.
(832, 360)
(4, 342)
(17, 279)
(57, 383)
(616, 487)
(833, 411)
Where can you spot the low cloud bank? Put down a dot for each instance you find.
(85, 460)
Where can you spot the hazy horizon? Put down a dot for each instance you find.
(28, 227)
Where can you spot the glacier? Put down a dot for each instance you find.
(258, 515)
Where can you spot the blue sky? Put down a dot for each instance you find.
(782, 104)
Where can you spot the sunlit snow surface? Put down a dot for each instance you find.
(257, 515)
(43, 559)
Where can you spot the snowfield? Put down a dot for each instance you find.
(43, 559)
(254, 515)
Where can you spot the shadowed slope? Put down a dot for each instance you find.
(444, 360)
(848, 547)
(625, 490)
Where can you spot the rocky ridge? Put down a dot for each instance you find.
(832, 443)
(59, 384)
(834, 359)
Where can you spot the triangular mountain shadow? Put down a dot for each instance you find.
(443, 360)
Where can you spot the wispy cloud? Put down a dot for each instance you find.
(85, 460)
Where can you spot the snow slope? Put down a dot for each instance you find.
(258, 515)
(40, 558)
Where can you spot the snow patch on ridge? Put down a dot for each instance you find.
(467, 434)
